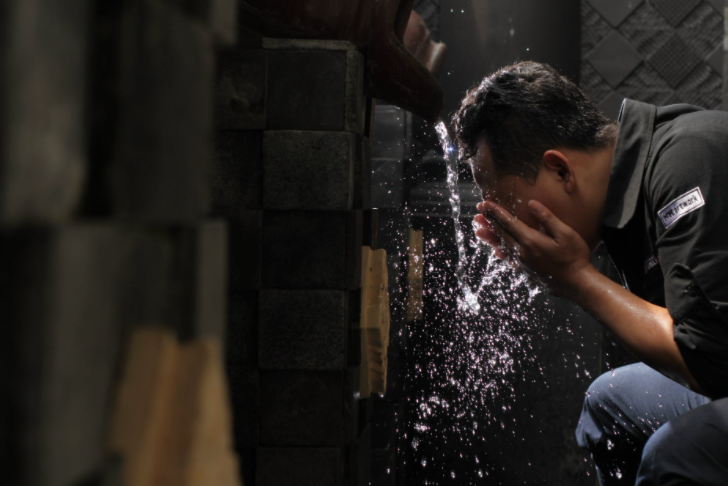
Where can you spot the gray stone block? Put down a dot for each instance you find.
(247, 39)
(245, 250)
(241, 89)
(366, 412)
(388, 190)
(219, 15)
(244, 383)
(392, 132)
(354, 351)
(177, 278)
(358, 464)
(42, 125)
(200, 273)
(162, 159)
(303, 329)
(384, 467)
(370, 228)
(308, 408)
(326, 93)
(60, 298)
(300, 466)
(309, 170)
(211, 279)
(363, 175)
(311, 249)
(354, 238)
(241, 338)
(148, 297)
(247, 459)
(354, 309)
(237, 182)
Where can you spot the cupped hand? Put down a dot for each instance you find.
(555, 256)
(485, 231)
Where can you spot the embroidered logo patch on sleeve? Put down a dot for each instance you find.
(651, 263)
(685, 204)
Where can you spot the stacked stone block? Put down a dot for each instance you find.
(106, 142)
(292, 180)
(237, 196)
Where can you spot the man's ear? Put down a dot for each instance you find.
(562, 168)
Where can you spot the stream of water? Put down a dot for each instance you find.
(451, 156)
(494, 268)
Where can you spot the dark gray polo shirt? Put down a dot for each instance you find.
(666, 225)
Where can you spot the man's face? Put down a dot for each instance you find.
(508, 191)
(555, 188)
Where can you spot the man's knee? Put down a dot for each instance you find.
(689, 449)
(596, 415)
(608, 405)
(599, 394)
(659, 456)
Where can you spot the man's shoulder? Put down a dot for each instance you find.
(698, 123)
(699, 136)
(689, 160)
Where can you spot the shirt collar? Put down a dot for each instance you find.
(636, 126)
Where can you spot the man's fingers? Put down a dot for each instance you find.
(517, 229)
(487, 236)
(485, 231)
(554, 226)
(480, 220)
(503, 241)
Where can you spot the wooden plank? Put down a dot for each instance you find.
(172, 423)
(142, 399)
(374, 322)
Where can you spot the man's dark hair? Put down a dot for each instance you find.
(524, 110)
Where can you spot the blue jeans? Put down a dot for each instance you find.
(644, 429)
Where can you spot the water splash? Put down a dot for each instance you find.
(470, 298)
(478, 340)
(495, 268)
(474, 355)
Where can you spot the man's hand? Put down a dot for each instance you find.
(559, 257)
(556, 256)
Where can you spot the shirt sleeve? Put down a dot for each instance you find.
(687, 191)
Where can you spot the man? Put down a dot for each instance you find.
(557, 180)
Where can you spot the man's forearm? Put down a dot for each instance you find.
(644, 328)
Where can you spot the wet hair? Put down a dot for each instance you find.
(523, 110)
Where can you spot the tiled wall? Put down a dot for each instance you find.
(658, 51)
